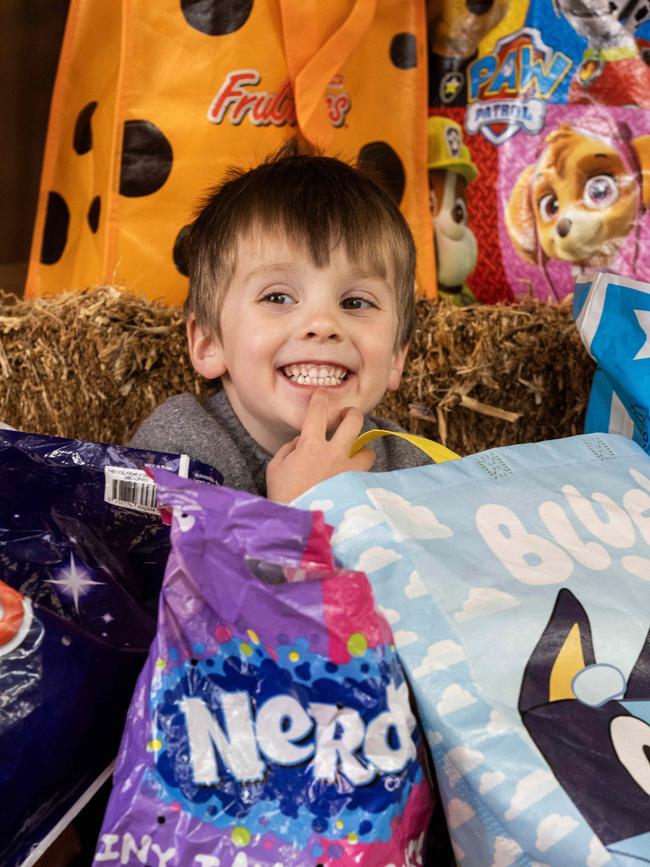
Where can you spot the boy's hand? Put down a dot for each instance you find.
(311, 457)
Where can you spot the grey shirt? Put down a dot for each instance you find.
(212, 433)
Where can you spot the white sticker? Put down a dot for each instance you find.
(130, 489)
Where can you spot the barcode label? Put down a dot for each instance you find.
(130, 489)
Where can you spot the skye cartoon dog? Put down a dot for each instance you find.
(591, 724)
(582, 197)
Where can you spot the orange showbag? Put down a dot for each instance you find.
(153, 101)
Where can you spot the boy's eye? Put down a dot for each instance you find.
(356, 303)
(278, 298)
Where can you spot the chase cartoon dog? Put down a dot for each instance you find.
(455, 29)
(612, 71)
(582, 197)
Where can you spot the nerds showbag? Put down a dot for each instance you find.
(548, 177)
(271, 724)
(613, 316)
(517, 583)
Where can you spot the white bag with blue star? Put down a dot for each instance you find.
(613, 318)
(517, 583)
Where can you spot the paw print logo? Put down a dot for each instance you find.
(452, 137)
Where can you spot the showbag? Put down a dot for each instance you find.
(82, 554)
(271, 724)
(539, 144)
(517, 583)
(613, 317)
(153, 102)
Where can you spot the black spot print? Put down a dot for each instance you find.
(180, 252)
(479, 7)
(404, 51)
(55, 233)
(93, 214)
(216, 17)
(383, 164)
(82, 139)
(146, 159)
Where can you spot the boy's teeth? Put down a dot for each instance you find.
(323, 374)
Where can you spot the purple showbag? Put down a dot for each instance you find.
(271, 724)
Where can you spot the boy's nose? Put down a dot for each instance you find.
(322, 326)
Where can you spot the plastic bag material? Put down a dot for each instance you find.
(517, 582)
(613, 317)
(79, 579)
(154, 102)
(271, 724)
(539, 146)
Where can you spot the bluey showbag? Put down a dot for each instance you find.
(271, 724)
(517, 582)
(613, 317)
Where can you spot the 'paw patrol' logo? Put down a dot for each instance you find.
(509, 89)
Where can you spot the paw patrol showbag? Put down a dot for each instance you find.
(539, 144)
(271, 724)
(517, 583)
(613, 316)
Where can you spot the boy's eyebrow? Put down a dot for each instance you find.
(360, 274)
(372, 276)
(270, 269)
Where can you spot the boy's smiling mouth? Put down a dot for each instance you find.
(309, 373)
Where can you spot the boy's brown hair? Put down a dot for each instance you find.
(316, 200)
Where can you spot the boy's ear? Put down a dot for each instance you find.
(206, 351)
(396, 368)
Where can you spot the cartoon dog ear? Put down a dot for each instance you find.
(638, 683)
(641, 147)
(520, 217)
(564, 649)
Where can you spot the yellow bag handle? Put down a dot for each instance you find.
(435, 451)
(312, 64)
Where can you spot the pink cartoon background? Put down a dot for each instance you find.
(522, 150)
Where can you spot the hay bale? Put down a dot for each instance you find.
(487, 376)
(89, 365)
(93, 365)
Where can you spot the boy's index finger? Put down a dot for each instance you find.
(315, 424)
(350, 426)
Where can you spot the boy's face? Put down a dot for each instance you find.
(289, 327)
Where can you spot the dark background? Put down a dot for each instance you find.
(32, 31)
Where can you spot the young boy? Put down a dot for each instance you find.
(301, 303)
